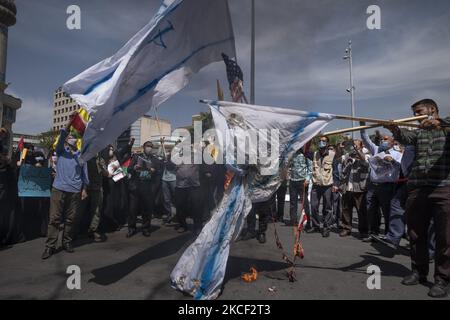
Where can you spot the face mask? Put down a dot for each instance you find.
(384, 145)
(322, 144)
(111, 153)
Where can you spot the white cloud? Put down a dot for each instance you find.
(34, 117)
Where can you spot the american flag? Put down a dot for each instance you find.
(235, 79)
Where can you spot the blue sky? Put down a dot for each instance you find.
(299, 49)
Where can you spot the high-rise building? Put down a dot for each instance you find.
(63, 107)
(144, 129)
(8, 103)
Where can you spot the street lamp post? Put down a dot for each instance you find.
(351, 90)
(252, 76)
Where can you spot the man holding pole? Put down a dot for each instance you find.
(428, 196)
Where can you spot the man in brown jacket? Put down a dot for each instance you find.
(322, 178)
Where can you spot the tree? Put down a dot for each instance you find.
(48, 138)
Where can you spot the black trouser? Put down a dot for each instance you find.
(379, 196)
(356, 200)
(281, 196)
(142, 199)
(168, 192)
(189, 202)
(264, 211)
(297, 189)
(423, 205)
(317, 193)
(337, 207)
(63, 210)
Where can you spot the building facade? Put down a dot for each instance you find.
(145, 129)
(8, 104)
(35, 140)
(63, 107)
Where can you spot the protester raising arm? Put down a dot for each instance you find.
(373, 148)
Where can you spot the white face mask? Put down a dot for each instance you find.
(111, 153)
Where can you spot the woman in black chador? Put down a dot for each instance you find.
(115, 198)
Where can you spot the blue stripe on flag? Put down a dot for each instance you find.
(154, 82)
(103, 80)
(225, 227)
(165, 12)
(311, 117)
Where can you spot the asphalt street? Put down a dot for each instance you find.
(139, 268)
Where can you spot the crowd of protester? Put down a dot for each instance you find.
(399, 186)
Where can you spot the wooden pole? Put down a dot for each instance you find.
(398, 121)
(378, 121)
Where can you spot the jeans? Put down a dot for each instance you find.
(397, 214)
(168, 193)
(297, 189)
(317, 193)
(379, 197)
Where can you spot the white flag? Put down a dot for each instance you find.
(183, 37)
(201, 269)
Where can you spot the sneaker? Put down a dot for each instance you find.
(345, 233)
(131, 232)
(439, 290)
(365, 238)
(68, 248)
(384, 240)
(48, 252)
(96, 236)
(262, 238)
(146, 233)
(414, 279)
(181, 229)
(312, 230)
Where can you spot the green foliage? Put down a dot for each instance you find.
(48, 138)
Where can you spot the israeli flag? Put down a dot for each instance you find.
(183, 37)
(201, 269)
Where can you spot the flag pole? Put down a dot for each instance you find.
(352, 129)
(252, 80)
(378, 121)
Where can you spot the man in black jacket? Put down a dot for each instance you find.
(142, 188)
